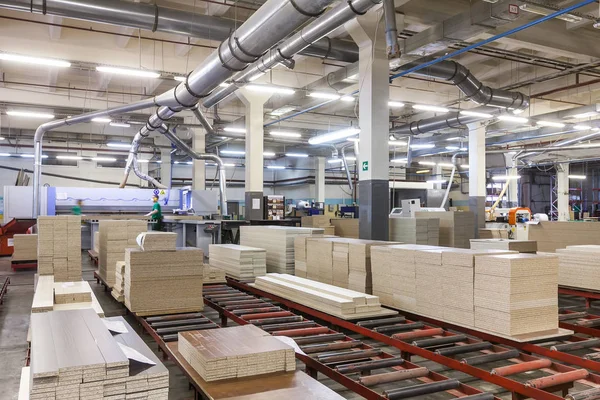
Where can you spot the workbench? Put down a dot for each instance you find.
(289, 385)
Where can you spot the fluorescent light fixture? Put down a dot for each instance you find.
(120, 125)
(119, 145)
(354, 139)
(584, 115)
(430, 163)
(578, 177)
(143, 161)
(27, 155)
(582, 127)
(417, 146)
(102, 120)
(452, 148)
(348, 98)
(434, 181)
(30, 114)
(455, 138)
(323, 95)
(333, 136)
(395, 104)
(335, 161)
(285, 134)
(275, 167)
(551, 124)
(397, 143)
(128, 72)
(268, 154)
(229, 165)
(446, 165)
(5, 154)
(464, 166)
(180, 78)
(234, 152)
(463, 149)
(423, 171)
(189, 162)
(175, 162)
(159, 162)
(234, 130)
(255, 77)
(34, 60)
(106, 159)
(1, 138)
(77, 158)
(506, 177)
(510, 118)
(425, 107)
(224, 85)
(400, 160)
(270, 89)
(351, 158)
(300, 155)
(282, 110)
(517, 112)
(540, 10)
(476, 114)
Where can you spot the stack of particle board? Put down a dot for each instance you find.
(72, 292)
(96, 246)
(522, 246)
(59, 247)
(240, 262)
(552, 235)
(156, 241)
(118, 290)
(278, 241)
(74, 356)
(71, 296)
(114, 237)
(342, 303)
(578, 266)
(425, 231)
(345, 227)
(213, 275)
(24, 247)
(319, 221)
(300, 253)
(456, 227)
(235, 352)
(163, 281)
(516, 294)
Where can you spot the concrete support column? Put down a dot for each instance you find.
(254, 102)
(512, 193)
(477, 174)
(320, 179)
(562, 189)
(373, 188)
(438, 176)
(199, 168)
(165, 166)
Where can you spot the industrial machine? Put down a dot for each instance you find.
(197, 202)
(304, 208)
(349, 211)
(410, 207)
(518, 221)
(15, 226)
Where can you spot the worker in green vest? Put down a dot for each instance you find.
(76, 210)
(156, 214)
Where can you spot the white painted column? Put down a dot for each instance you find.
(165, 166)
(477, 174)
(373, 189)
(562, 188)
(438, 176)
(512, 192)
(320, 179)
(254, 186)
(198, 168)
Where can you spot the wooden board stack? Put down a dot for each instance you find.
(342, 303)
(516, 294)
(456, 227)
(118, 290)
(345, 227)
(522, 246)
(300, 253)
(96, 246)
(59, 247)
(552, 235)
(156, 241)
(235, 352)
(239, 262)
(213, 275)
(72, 292)
(424, 231)
(278, 241)
(319, 221)
(163, 281)
(24, 247)
(71, 296)
(578, 266)
(114, 237)
(74, 356)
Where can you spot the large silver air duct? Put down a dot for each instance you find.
(157, 18)
(336, 17)
(144, 176)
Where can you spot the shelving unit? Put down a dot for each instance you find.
(274, 207)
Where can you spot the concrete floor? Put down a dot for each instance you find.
(14, 323)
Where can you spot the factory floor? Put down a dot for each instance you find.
(14, 323)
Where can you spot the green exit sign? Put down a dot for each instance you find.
(365, 166)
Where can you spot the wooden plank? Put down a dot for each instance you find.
(24, 384)
(43, 297)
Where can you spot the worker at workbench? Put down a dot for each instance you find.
(76, 210)
(156, 215)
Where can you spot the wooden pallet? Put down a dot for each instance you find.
(23, 264)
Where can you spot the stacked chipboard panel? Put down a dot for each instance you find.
(59, 247)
